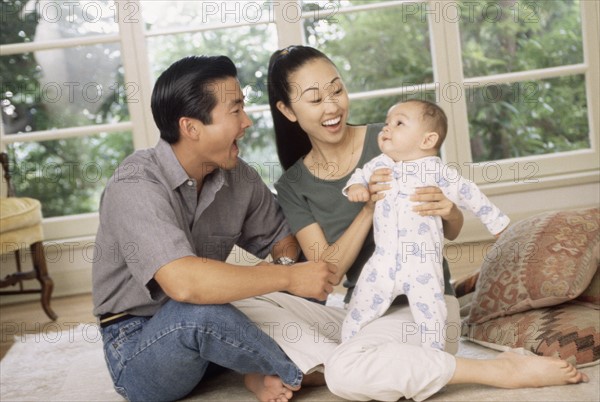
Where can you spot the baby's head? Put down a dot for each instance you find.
(413, 129)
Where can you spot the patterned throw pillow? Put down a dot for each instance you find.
(591, 295)
(541, 261)
(569, 331)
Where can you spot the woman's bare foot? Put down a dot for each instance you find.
(511, 370)
(538, 371)
(268, 388)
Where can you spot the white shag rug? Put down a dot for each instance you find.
(69, 366)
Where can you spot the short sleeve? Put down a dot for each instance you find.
(144, 224)
(264, 224)
(294, 205)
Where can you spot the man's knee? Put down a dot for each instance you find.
(203, 312)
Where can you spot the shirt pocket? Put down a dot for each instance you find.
(219, 247)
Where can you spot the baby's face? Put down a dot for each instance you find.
(403, 132)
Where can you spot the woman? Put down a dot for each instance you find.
(318, 151)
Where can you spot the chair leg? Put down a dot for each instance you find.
(39, 264)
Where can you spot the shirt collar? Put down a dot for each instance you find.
(172, 169)
(175, 173)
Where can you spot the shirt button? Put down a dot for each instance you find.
(190, 183)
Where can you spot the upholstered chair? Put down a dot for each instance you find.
(21, 232)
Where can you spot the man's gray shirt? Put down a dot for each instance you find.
(150, 215)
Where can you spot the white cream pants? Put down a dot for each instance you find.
(385, 361)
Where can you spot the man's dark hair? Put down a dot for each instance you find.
(185, 90)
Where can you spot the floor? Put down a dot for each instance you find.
(28, 317)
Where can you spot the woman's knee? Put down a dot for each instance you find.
(341, 374)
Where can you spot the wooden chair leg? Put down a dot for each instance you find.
(46, 283)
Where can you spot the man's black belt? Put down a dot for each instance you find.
(110, 318)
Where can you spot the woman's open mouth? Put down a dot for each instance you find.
(332, 124)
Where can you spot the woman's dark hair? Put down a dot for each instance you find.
(291, 141)
(185, 90)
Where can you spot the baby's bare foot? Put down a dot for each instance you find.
(538, 371)
(268, 388)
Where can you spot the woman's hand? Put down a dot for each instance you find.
(433, 202)
(378, 183)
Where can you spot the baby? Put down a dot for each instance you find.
(408, 247)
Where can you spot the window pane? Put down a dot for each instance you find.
(374, 110)
(192, 14)
(67, 176)
(249, 47)
(61, 88)
(374, 49)
(257, 148)
(27, 21)
(507, 36)
(527, 118)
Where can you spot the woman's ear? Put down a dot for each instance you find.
(189, 128)
(286, 111)
(429, 141)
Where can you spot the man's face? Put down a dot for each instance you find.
(218, 143)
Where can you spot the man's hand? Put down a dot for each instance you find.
(312, 279)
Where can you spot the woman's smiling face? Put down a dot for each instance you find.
(318, 101)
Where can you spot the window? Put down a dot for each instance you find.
(243, 30)
(64, 115)
(518, 79)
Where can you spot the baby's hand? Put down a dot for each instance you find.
(358, 193)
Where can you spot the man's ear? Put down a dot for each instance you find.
(189, 128)
(429, 140)
(286, 111)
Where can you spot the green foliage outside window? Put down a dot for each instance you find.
(374, 49)
(532, 117)
(66, 175)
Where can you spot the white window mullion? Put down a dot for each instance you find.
(591, 37)
(448, 77)
(289, 31)
(69, 132)
(528, 75)
(138, 82)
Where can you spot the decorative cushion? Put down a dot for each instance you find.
(591, 295)
(541, 261)
(18, 213)
(569, 331)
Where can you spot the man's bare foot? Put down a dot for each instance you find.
(511, 370)
(539, 371)
(268, 388)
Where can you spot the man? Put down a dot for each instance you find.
(169, 218)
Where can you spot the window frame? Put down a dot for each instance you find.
(447, 65)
